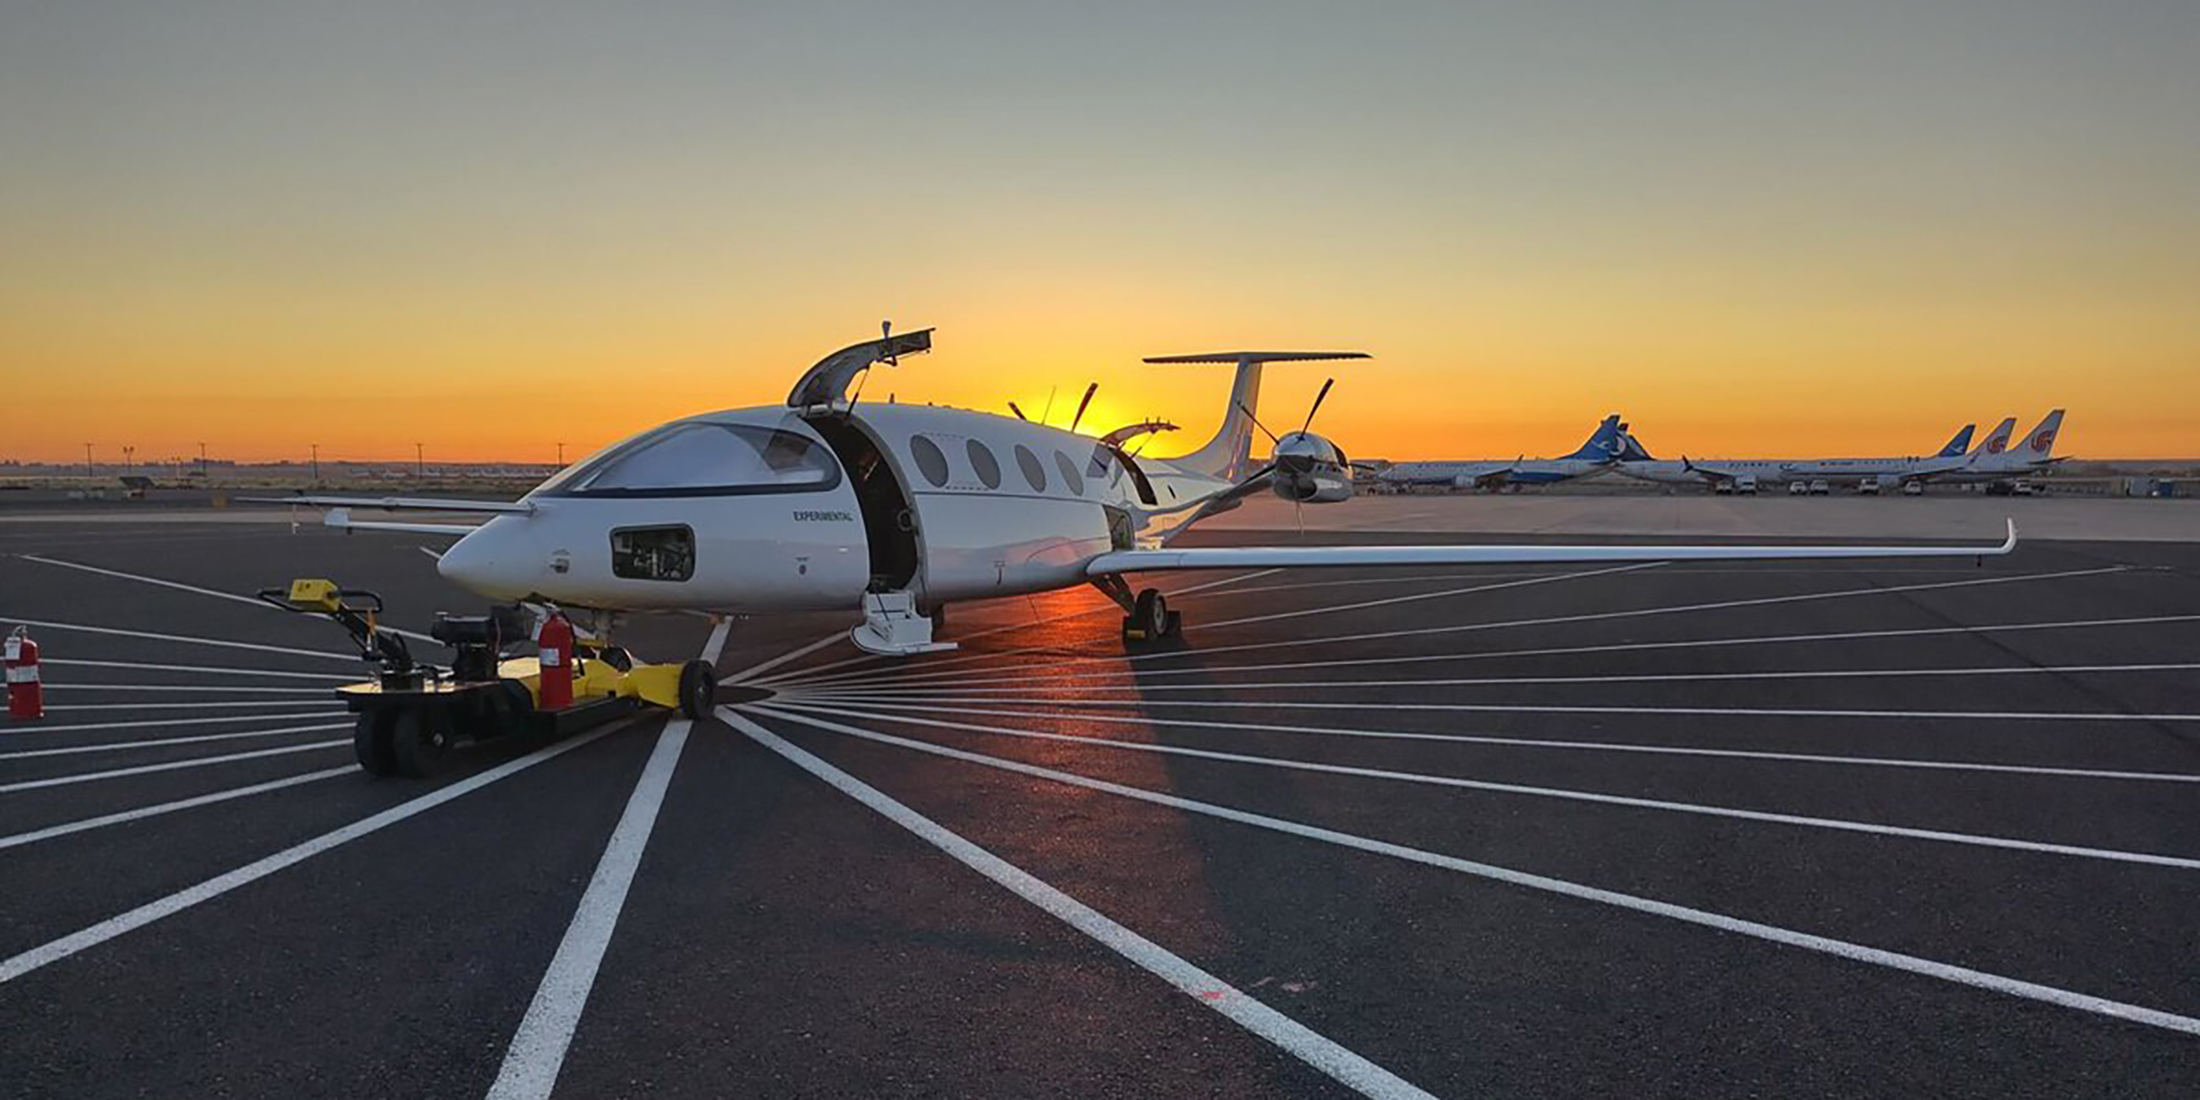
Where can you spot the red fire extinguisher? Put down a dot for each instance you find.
(26, 696)
(555, 651)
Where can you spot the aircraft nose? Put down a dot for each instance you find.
(480, 563)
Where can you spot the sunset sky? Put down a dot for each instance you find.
(1751, 227)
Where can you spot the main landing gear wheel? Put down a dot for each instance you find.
(417, 748)
(370, 742)
(1150, 618)
(698, 689)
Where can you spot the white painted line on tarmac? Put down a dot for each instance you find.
(211, 670)
(538, 1049)
(1549, 620)
(164, 742)
(1021, 624)
(1523, 708)
(56, 950)
(1444, 593)
(1502, 681)
(1854, 952)
(195, 589)
(252, 688)
(211, 719)
(1236, 1005)
(761, 667)
(72, 708)
(881, 709)
(169, 766)
(934, 666)
(143, 812)
(1024, 676)
(45, 624)
(1565, 793)
(537, 1054)
(177, 585)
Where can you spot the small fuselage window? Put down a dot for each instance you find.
(931, 462)
(701, 458)
(653, 553)
(1070, 477)
(1035, 472)
(982, 462)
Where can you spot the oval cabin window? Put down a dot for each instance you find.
(1070, 477)
(930, 462)
(988, 467)
(1035, 473)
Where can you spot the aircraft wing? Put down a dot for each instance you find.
(400, 504)
(340, 518)
(1269, 557)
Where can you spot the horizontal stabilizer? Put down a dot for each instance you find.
(1281, 557)
(1258, 357)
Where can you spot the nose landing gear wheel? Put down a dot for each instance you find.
(417, 748)
(698, 689)
(370, 742)
(1150, 618)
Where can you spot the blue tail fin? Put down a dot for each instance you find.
(1604, 444)
(1960, 444)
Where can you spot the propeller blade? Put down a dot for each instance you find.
(1081, 403)
(1047, 413)
(1019, 412)
(1318, 399)
(1256, 423)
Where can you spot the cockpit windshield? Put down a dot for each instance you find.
(699, 458)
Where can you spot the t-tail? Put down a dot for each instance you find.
(1229, 455)
(1604, 444)
(1959, 444)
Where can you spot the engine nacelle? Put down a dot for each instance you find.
(1311, 470)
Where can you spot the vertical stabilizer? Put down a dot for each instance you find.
(1996, 444)
(1631, 449)
(1959, 444)
(2039, 446)
(1229, 454)
(1604, 443)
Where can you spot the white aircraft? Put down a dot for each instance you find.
(1596, 454)
(1636, 462)
(895, 510)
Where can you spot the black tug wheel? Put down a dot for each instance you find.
(417, 747)
(698, 689)
(370, 742)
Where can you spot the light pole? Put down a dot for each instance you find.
(561, 456)
(202, 460)
(87, 460)
(420, 464)
(316, 462)
(129, 457)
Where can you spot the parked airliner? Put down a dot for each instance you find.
(1636, 462)
(1595, 455)
(828, 502)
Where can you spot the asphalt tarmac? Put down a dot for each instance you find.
(1836, 829)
